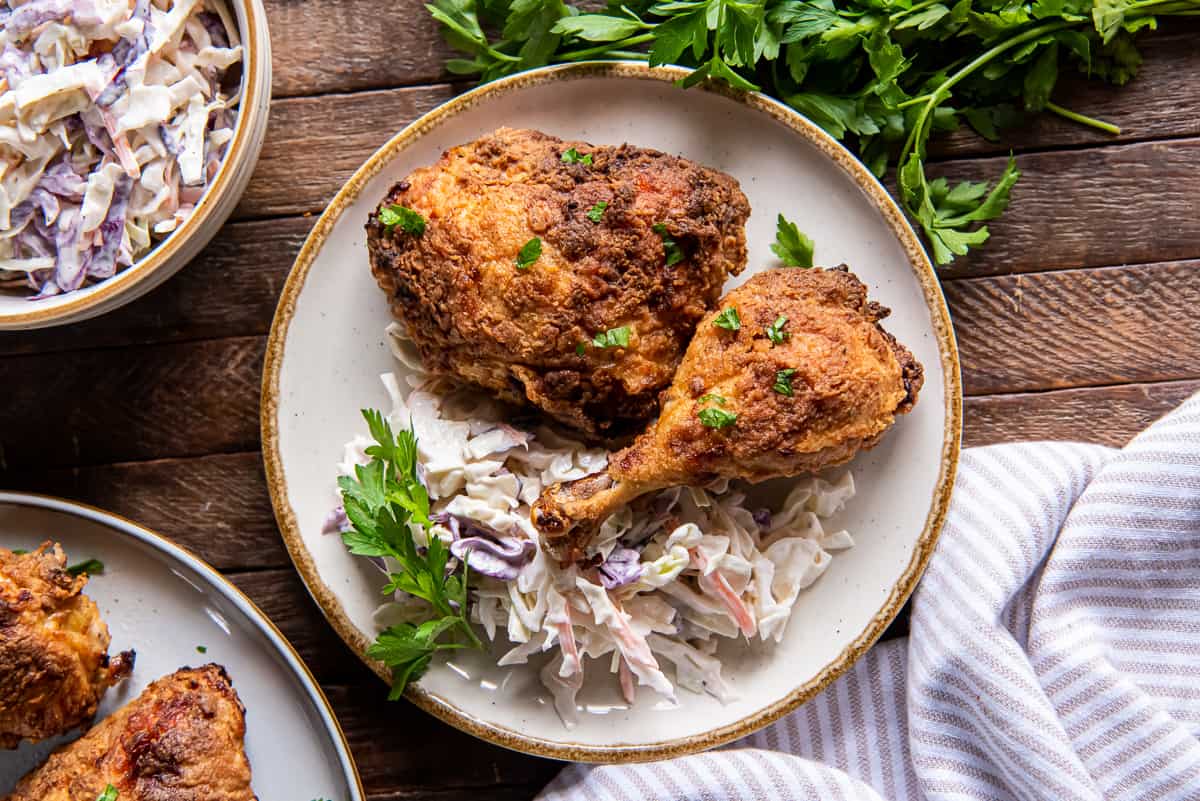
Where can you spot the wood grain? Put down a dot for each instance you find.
(108, 405)
(400, 748)
(215, 506)
(1124, 204)
(1078, 327)
(314, 144)
(1103, 415)
(343, 45)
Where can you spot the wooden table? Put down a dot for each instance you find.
(1080, 320)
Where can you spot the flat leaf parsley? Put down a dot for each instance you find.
(883, 75)
(384, 499)
(530, 252)
(792, 247)
(409, 221)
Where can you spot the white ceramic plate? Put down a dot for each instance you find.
(18, 312)
(327, 350)
(165, 603)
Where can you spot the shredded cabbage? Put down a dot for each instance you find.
(674, 572)
(114, 118)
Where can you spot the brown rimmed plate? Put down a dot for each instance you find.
(327, 349)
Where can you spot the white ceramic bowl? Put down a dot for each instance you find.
(18, 312)
(327, 349)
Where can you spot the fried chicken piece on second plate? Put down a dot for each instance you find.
(807, 380)
(180, 740)
(632, 241)
(54, 663)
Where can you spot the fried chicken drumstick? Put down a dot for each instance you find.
(527, 249)
(54, 663)
(807, 379)
(180, 740)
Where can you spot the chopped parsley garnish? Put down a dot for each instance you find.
(580, 349)
(712, 416)
(612, 338)
(93, 567)
(384, 500)
(572, 156)
(775, 330)
(671, 248)
(202, 649)
(716, 418)
(793, 247)
(783, 382)
(530, 252)
(109, 794)
(728, 319)
(19, 551)
(596, 212)
(409, 221)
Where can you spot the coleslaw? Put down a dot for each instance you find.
(114, 118)
(670, 576)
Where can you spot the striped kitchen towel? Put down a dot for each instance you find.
(1054, 651)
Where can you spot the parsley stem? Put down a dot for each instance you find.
(607, 47)
(918, 134)
(918, 7)
(1083, 119)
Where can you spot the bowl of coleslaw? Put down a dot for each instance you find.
(128, 131)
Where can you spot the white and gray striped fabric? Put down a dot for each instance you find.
(1054, 651)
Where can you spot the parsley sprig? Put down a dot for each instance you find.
(884, 75)
(793, 248)
(408, 220)
(711, 416)
(728, 319)
(384, 499)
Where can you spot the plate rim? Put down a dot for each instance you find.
(231, 593)
(441, 707)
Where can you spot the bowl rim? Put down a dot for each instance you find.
(255, 80)
(176, 552)
(442, 708)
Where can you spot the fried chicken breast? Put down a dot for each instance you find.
(632, 241)
(54, 663)
(807, 380)
(180, 740)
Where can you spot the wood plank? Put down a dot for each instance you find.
(399, 748)
(215, 506)
(124, 404)
(1126, 204)
(282, 596)
(343, 45)
(1104, 415)
(315, 143)
(1078, 327)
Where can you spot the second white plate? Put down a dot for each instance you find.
(168, 605)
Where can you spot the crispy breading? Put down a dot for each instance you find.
(475, 316)
(54, 663)
(180, 740)
(851, 378)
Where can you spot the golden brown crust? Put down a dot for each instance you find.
(54, 663)
(180, 740)
(851, 378)
(474, 316)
